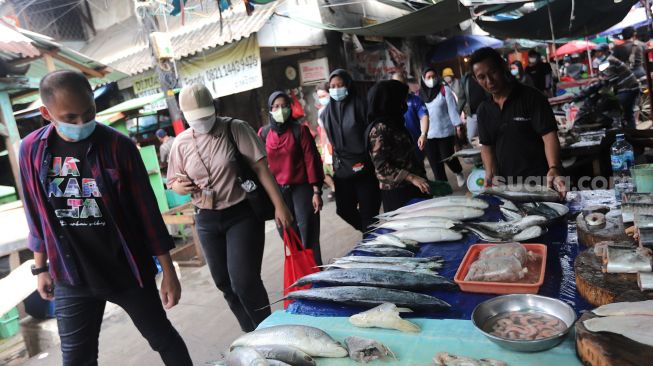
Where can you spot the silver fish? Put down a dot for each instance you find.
(418, 222)
(424, 235)
(447, 201)
(391, 239)
(356, 258)
(369, 296)
(310, 340)
(366, 350)
(619, 260)
(524, 193)
(289, 355)
(385, 316)
(450, 212)
(492, 236)
(464, 153)
(245, 356)
(529, 233)
(419, 268)
(379, 278)
(381, 251)
(379, 243)
(447, 359)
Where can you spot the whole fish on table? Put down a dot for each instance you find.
(289, 355)
(310, 340)
(379, 278)
(418, 222)
(423, 235)
(429, 268)
(370, 297)
(461, 201)
(245, 356)
(492, 236)
(524, 193)
(389, 239)
(450, 212)
(382, 251)
(355, 258)
(385, 316)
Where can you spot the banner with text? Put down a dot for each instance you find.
(234, 68)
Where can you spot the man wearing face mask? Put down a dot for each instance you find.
(94, 225)
(326, 150)
(621, 78)
(358, 196)
(232, 236)
(296, 165)
(540, 73)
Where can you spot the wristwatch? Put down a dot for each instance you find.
(37, 271)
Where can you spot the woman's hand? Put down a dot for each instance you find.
(283, 217)
(317, 202)
(419, 182)
(183, 187)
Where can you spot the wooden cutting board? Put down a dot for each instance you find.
(613, 231)
(609, 349)
(600, 288)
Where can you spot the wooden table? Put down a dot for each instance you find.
(190, 253)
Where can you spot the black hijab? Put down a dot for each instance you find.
(279, 128)
(428, 94)
(386, 102)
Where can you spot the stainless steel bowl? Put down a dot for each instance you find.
(524, 302)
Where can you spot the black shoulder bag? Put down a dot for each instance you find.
(255, 193)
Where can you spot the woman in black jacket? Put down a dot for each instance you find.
(358, 198)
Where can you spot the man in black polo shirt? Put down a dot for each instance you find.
(516, 126)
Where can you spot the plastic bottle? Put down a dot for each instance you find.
(622, 158)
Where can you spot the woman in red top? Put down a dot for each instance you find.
(295, 163)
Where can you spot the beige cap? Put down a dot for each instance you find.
(196, 102)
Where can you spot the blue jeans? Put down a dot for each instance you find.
(79, 312)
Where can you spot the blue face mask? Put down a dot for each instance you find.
(76, 132)
(324, 100)
(338, 94)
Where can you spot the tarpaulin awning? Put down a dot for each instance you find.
(575, 47)
(589, 17)
(106, 116)
(428, 20)
(461, 45)
(636, 18)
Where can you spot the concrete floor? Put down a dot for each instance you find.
(202, 316)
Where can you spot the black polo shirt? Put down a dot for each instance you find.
(516, 131)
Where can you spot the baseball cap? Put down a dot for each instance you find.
(603, 47)
(196, 102)
(161, 133)
(447, 72)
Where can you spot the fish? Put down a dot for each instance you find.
(379, 278)
(418, 222)
(550, 210)
(289, 355)
(384, 251)
(369, 296)
(492, 236)
(422, 268)
(398, 244)
(310, 340)
(384, 316)
(529, 233)
(447, 359)
(365, 350)
(424, 235)
(245, 356)
(626, 260)
(464, 153)
(442, 202)
(273, 362)
(524, 193)
(449, 212)
(635, 327)
(503, 228)
(390, 239)
(356, 258)
(645, 281)
(625, 308)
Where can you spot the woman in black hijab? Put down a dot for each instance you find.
(397, 168)
(358, 198)
(297, 167)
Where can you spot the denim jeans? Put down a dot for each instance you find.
(232, 240)
(79, 312)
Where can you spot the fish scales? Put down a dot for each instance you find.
(310, 340)
(379, 278)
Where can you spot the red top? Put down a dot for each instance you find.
(285, 161)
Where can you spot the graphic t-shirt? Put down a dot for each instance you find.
(77, 203)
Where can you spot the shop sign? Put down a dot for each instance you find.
(314, 71)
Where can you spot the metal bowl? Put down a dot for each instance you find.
(524, 302)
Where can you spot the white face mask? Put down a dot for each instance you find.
(429, 82)
(532, 60)
(448, 79)
(203, 125)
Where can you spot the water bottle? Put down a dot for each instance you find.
(622, 158)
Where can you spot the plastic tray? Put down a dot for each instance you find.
(501, 288)
(9, 325)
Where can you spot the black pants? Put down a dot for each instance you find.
(233, 240)
(399, 197)
(79, 312)
(438, 149)
(628, 99)
(358, 199)
(299, 199)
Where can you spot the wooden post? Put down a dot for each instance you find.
(49, 62)
(12, 139)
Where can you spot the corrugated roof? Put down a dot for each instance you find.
(197, 35)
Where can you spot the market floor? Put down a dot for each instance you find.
(202, 317)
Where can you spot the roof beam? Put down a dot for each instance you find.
(85, 69)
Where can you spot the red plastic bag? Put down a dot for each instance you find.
(296, 106)
(299, 262)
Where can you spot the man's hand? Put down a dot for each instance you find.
(283, 217)
(45, 286)
(488, 179)
(555, 181)
(170, 289)
(183, 187)
(317, 202)
(419, 182)
(421, 141)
